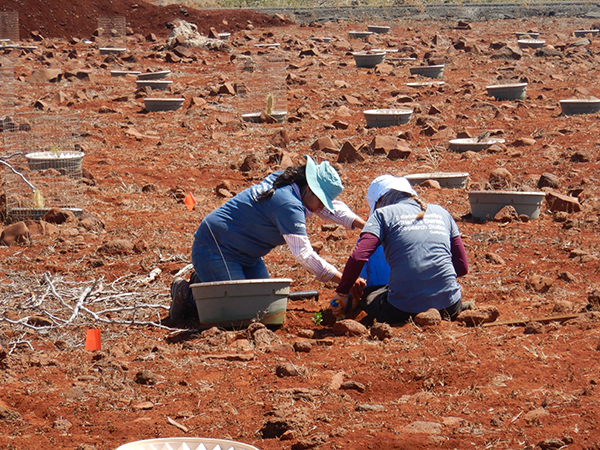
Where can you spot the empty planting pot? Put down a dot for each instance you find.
(112, 50)
(573, 106)
(516, 91)
(531, 43)
(360, 34)
(380, 118)
(379, 29)
(154, 75)
(584, 33)
(450, 180)
(160, 85)
(473, 144)
(224, 36)
(486, 204)
(436, 71)
(238, 303)
(163, 104)
(368, 59)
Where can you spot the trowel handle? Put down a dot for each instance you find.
(303, 294)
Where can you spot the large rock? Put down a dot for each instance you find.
(17, 233)
(561, 202)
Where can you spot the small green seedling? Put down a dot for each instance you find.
(270, 103)
(317, 318)
(55, 149)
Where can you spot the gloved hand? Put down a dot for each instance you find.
(338, 305)
(356, 291)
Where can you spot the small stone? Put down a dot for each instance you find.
(349, 327)
(353, 385)
(302, 346)
(430, 317)
(146, 377)
(540, 283)
(285, 370)
(483, 314)
(381, 331)
(534, 328)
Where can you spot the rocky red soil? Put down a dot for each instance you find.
(526, 384)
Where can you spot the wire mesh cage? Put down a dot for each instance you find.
(262, 87)
(44, 167)
(112, 34)
(9, 27)
(7, 93)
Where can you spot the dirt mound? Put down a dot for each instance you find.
(80, 19)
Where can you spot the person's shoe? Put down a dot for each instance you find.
(180, 295)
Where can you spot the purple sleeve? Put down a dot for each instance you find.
(459, 256)
(365, 247)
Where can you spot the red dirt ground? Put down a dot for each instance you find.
(446, 386)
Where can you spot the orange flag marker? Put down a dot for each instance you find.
(189, 201)
(92, 340)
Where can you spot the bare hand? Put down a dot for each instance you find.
(356, 291)
(338, 304)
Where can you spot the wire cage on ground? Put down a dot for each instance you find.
(9, 28)
(262, 87)
(44, 165)
(112, 34)
(7, 94)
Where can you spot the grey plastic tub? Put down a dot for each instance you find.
(238, 303)
(436, 71)
(368, 59)
(516, 91)
(486, 204)
(163, 104)
(579, 106)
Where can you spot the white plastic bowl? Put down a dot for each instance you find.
(380, 118)
(186, 443)
(451, 180)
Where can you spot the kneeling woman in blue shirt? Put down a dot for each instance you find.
(231, 241)
(423, 248)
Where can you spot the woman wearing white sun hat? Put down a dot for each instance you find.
(231, 241)
(424, 251)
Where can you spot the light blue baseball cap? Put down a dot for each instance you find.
(324, 181)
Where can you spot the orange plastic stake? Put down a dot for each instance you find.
(189, 201)
(92, 340)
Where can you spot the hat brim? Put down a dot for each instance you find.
(313, 183)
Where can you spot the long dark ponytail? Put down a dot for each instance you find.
(291, 175)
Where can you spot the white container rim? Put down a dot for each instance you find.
(523, 193)
(161, 100)
(391, 112)
(252, 281)
(506, 86)
(436, 66)
(51, 155)
(436, 175)
(580, 100)
(375, 53)
(222, 443)
(154, 81)
(531, 41)
(474, 141)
